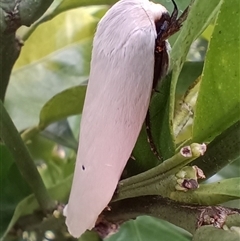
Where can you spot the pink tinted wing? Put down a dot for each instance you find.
(115, 107)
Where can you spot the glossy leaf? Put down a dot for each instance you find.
(218, 103)
(65, 63)
(190, 72)
(210, 233)
(58, 7)
(148, 228)
(142, 151)
(70, 4)
(90, 236)
(159, 110)
(188, 78)
(198, 19)
(67, 103)
(183, 119)
(62, 31)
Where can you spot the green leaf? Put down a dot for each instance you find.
(190, 72)
(210, 233)
(211, 194)
(60, 60)
(231, 170)
(182, 125)
(58, 7)
(90, 236)
(145, 159)
(67, 103)
(198, 19)
(233, 220)
(159, 111)
(148, 228)
(186, 91)
(56, 34)
(218, 102)
(69, 4)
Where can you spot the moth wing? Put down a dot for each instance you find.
(115, 107)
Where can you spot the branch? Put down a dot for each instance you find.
(10, 48)
(188, 217)
(23, 160)
(14, 14)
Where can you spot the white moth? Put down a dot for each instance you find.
(117, 100)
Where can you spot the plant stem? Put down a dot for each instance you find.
(186, 216)
(14, 14)
(23, 160)
(161, 179)
(155, 206)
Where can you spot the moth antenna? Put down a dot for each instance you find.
(175, 23)
(175, 12)
(150, 138)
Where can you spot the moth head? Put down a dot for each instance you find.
(168, 24)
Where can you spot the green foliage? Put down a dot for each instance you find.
(46, 94)
(211, 234)
(219, 91)
(62, 105)
(146, 228)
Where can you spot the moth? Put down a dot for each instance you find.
(129, 56)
